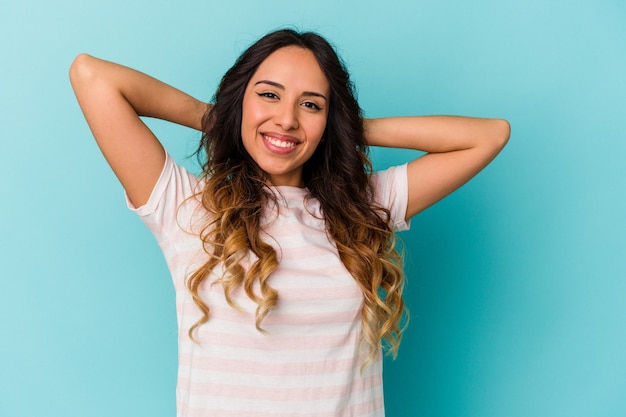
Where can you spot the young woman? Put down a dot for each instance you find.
(288, 283)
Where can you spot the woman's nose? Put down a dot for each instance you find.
(287, 116)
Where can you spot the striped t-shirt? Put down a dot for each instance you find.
(308, 362)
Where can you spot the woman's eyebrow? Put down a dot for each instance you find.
(282, 87)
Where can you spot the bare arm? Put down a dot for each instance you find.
(457, 149)
(112, 98)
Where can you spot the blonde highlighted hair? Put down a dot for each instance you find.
(337, 175)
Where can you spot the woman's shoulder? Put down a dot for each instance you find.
(391, 176)
(175, 185)
(390, 189)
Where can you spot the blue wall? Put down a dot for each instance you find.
(516, 282)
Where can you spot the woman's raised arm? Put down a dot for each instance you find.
(112, 98)
(457, 149)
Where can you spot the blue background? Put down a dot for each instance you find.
(516, 282)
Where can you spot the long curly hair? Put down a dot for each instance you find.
(338, 175)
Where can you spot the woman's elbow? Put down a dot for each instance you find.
(501, 132)
(81, 68)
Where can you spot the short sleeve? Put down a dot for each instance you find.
(174, 186)
(391, 191)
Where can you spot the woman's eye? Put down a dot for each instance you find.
(268, 95)
(311, 105)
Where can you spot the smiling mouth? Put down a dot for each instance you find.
(279, 143)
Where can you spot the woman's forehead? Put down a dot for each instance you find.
(293, 67)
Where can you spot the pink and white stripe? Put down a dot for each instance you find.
(308, 361)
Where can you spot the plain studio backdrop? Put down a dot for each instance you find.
(516, 283)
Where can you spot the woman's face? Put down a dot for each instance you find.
(284, 113)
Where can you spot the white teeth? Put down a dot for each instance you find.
(279, 143)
